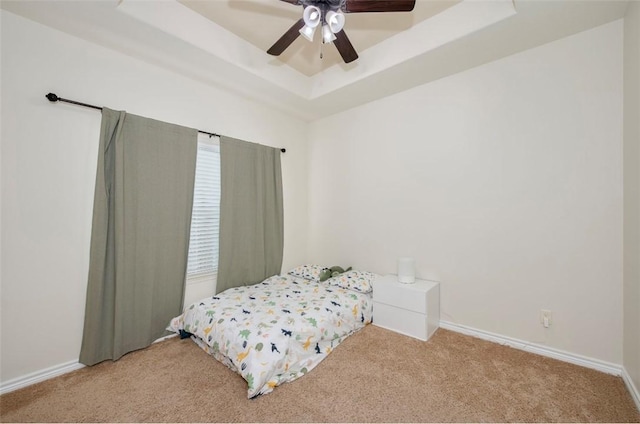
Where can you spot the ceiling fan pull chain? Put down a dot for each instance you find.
(321, 45)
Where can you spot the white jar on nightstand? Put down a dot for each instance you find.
(410, 309)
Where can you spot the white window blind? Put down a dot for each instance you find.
(205, 218)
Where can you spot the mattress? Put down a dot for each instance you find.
(275, 331)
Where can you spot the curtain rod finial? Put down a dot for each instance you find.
(52, 97)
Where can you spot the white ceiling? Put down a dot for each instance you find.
(261, 23)
(172, 35)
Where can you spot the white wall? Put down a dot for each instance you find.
(503, 181)
(49, 154)
(631, 167)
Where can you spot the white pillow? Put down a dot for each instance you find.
(308, 272)
(360, 281)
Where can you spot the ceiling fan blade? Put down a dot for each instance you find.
(345, 48)
(286, 39)
(296, 2)
(358, 6)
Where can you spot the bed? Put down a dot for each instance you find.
(278, 330)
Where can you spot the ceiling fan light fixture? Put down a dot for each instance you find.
(335, 21)
(311, 17)
(329, 14)
(308, 32)
(327, 34)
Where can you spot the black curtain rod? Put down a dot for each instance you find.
(55, 98)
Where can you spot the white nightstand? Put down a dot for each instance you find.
(410, 309)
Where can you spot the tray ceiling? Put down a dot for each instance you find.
(397, 51)
(262, 22)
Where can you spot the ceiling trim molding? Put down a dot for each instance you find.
(183, 23)
(179, 21)
(170, 35)
(458, 21)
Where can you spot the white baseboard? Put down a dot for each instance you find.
(47, 373)
(635, 394)
(38, 376)
(606, 367)
(161, 339)
(539, 349)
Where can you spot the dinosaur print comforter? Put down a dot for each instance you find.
(275, 331)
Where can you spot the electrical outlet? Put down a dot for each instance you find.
(545, 318)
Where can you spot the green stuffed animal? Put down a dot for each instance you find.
(334, 271)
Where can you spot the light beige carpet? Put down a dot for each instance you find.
(374, 376)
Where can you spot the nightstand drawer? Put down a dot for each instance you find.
(411, 309)
(401, 321)
(406, 296)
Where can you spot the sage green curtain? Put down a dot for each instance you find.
(140, 234)
(251, 213)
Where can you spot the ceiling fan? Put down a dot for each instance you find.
(329, 14)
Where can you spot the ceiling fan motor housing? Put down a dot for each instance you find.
(324, 5)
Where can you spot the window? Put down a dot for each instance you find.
(203, 244)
